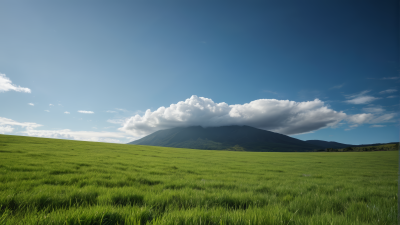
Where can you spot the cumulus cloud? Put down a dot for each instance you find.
(66, 112)
(6, 129)
(86, 112)
(388, 91)
(361, 98)
(5, 122)
(78, 135)
(7, 85)
(282, 116)
(31, 104)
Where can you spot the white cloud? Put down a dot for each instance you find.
(10, 122)
(392, 96)
(6, 129)
(86, 112)
(282, 116)
(66, 112)
(51, 105)
(378, 126)
(47, 110)
(7, 126)
(388, 91)
(361, 98)
(110, 111)
(7, 85)
(77, 135)
(31, 104)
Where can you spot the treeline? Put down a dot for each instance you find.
(387, 147)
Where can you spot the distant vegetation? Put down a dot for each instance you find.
(386, 147)
(49, 181)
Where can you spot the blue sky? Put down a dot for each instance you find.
(89, 70)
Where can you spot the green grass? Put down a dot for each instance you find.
(48, 181)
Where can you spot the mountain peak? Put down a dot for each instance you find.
(225, 138)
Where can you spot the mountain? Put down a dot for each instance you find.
(243, 138)
(328, 144)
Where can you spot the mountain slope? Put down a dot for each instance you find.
(225, 137)
(328, 144)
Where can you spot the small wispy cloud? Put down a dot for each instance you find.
(7, 85)
(122, 110)
(116, 121)
(378, 126)
(360, 98)
(51, 105)
(111, 111)
(390, 78)
(272, 92)
(31, 104)
(337, 86)
(392, 96)
(85, 112)
(66, 112)
(47, 110)
(388, 91)
(376, 109)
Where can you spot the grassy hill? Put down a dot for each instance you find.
(245, 138)
(50, 181)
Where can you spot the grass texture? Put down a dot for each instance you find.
(49, 181)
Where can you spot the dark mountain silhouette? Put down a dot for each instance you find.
(239, 138)
(328, 144)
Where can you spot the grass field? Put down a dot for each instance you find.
(48, 181)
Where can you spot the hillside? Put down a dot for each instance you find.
(328, 144)
(244, 138)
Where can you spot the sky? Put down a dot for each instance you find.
(115, 71)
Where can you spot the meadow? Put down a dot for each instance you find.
(49, 181)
